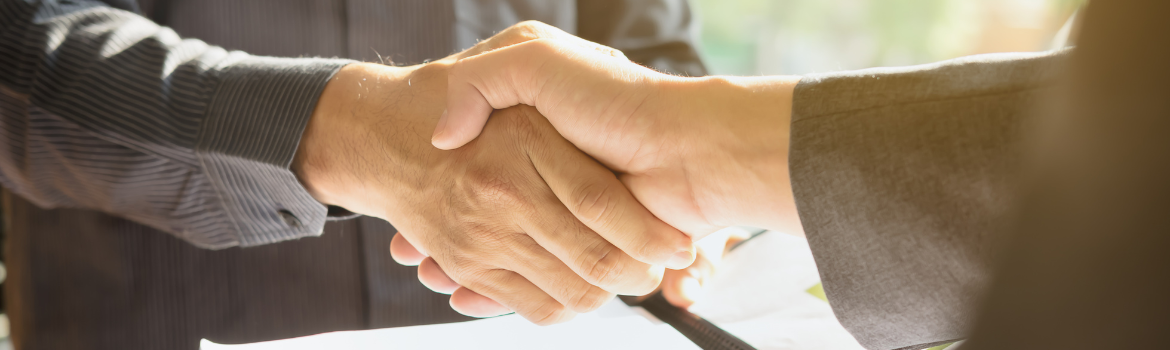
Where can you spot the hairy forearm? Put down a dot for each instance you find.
(319, 163)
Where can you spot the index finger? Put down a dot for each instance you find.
(600, 201)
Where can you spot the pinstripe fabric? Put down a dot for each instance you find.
(92, 280)
(281, 28)
(103, 109)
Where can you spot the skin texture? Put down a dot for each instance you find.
(700, 153)
(518, 220)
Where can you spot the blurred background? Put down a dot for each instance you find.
(754, 37)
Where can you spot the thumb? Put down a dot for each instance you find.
(531, 73)
(493, 80)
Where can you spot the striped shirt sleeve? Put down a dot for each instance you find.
(103, 109)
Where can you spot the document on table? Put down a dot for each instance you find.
(614, 326)
(761, 294)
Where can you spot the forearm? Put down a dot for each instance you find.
(105, 110)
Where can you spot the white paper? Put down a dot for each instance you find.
(614, 326)
(760, 294)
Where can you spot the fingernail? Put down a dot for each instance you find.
(440, 128)
(681, 260)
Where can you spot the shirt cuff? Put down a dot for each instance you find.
(247, 141)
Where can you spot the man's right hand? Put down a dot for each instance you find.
(700, 153)
(519, 217)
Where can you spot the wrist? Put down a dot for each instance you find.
(324, 158)
(741, 169)
(366, 136)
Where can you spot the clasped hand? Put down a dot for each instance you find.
(591, 174)
(518, 220)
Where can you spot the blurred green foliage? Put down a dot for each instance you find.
(804, 35)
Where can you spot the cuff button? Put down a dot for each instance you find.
(290, 219)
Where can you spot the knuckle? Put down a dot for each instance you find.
(461, 269)
(617, 53)
(478, 249)
(524, 31)
(598, 203)
(538, 47)
(532, 26)
(595, 201)
(493, 190)
(480, 279)
(548, 313)
(531, 23)
(644, 249)
(589, 299)
(603, 266)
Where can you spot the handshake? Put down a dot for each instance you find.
(540, 173)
